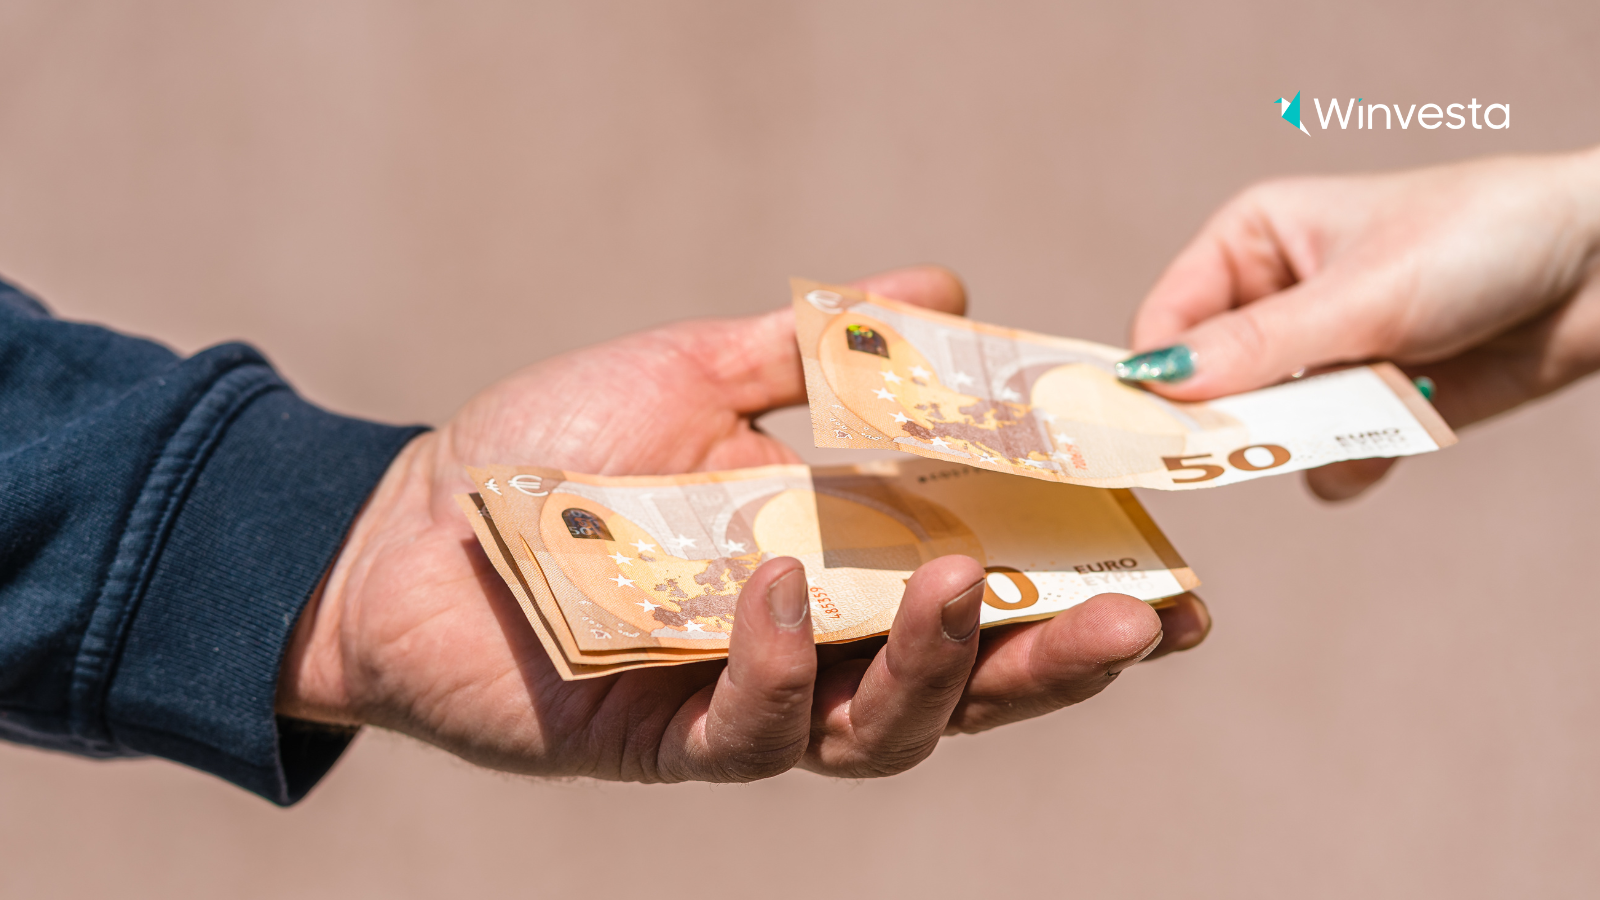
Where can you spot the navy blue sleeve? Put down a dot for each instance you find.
(163, 522)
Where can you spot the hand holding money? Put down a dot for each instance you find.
(1482, 276)
(416, 631)
(616, 573)
(888, 375)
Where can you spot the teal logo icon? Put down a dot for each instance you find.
(1290, 111)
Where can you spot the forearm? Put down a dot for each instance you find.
(163, 522)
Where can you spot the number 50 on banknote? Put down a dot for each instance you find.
(887, 375)
(617, 572)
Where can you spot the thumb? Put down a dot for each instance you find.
(1260, 343)
(930, 286)
(754, 359)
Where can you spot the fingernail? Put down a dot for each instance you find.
(1137, 658)
(959, 618)
(786, 598)
(1425, 387)
(1167, 364)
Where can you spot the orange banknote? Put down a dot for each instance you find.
(616, 572)
(887, 375)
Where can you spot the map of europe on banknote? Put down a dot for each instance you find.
(887, 375)
(621, 571)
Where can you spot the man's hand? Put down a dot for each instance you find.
(1483, 276)
(414, 630)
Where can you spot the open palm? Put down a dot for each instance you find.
(416, 632)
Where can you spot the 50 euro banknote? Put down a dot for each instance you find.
(881, 374)
(621, 572)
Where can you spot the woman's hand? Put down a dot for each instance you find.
(415, 631)
(1483, 276)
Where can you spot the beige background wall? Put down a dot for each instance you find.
(401, 201)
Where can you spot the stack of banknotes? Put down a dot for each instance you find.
(1031, 443)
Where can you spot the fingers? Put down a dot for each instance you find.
(1185, 622)
(1237, 258)
(1308, 325)
(755, 359)
(1235, 310)
(884, 716)
(934, 287)
(1029, 670)
(755, 721)
(1347, 480)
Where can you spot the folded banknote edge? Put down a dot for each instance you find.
(1416, 404)
(569, 670)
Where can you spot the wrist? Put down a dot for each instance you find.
(321, 677)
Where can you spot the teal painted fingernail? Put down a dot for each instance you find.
(1425, 387)
(1167, 364)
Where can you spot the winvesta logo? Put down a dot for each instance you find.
(1428, 116)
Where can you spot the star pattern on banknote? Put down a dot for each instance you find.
(982, 399)
(700, 593)
(901, 418)
(890, 377)
(940, 442)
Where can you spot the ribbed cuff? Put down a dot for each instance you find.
(261, 519)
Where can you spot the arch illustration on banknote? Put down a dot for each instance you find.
(885, 374)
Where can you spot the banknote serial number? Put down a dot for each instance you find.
(825, 604)
(961, 472)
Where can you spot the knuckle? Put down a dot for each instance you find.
(929, 679)
(1269, 190)
(887, 762)
(1248, 334)
(765, 736)
(1387, 326)
(1064, 692)
(1255, 198)
(754, 764)
(778, 692)
(933, 689)
(882, 752)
